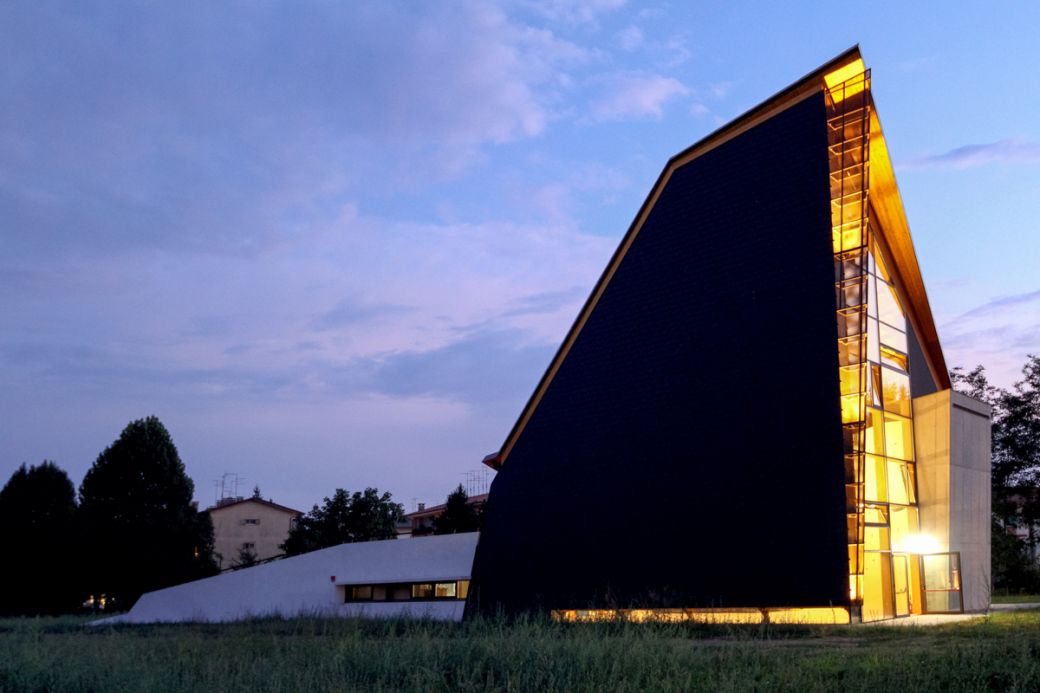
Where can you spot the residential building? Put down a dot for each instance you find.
(420, 522)
(249, 526)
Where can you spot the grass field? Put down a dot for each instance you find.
(1015, 598)
(1001, 652)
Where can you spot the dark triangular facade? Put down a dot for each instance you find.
(683, 452)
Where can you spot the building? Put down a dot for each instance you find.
(420, 522)
(249, 526)
(751, 417)
(420, 579)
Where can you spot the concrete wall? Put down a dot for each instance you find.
(230, 531)
(952, 438)
(312, 584)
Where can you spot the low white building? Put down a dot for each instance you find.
(421, 579)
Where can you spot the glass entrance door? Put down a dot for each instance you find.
(941, 583)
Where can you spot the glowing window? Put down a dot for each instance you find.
(875, 385)
(422, 590)
(875, 433)
(899, 437)
(873, 341)
(888, 306)
(850, 351)
(876, 514)
(851, 292)
(878, 265)
(358, 593)
(849, 266)
(851, 408)
(898, 483)
(903, 525)
(444, 590)
(896, 388)
(850, 322)
(852, 379)
(894, 359)
(892, 337)
(875, 538)
(874, 478)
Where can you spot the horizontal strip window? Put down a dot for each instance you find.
(452, 590)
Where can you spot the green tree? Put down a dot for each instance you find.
(345, 518)
(459, 514)
(38, 521)
(1016, 437)
(143, 531)
(246, 557)
(1015, 468)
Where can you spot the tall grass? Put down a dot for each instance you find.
(998, 653)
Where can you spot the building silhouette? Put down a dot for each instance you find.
(751, 416)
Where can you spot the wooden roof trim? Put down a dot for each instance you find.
(808, 85)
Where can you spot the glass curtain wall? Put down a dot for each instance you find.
(881, 495)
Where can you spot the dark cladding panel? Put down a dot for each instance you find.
(689, 451)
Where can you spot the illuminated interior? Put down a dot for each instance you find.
(803, 616)
(894, 570)
(881, 485)
(407, 591)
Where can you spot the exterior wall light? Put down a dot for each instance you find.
(919, 544)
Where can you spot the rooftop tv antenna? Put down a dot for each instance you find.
(477, 481)
(226, 488)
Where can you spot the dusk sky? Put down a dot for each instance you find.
(335, 244)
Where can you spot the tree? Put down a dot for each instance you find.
(458, 516)
(246, 557)
(974, 383)
(1015, 468)
(143, 531)
(345, 518)
(1016, 437)
(38, 519)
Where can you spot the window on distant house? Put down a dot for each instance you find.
(251, 521)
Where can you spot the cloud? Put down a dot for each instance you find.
(352, 312)
(547, 301)
(486, 366)
(299, 323)
(676, 51)
(575, 12)
(997, 304)
(630, 38)
(637, 95)
(229, 130)
(998, 333)
(699, 110)
(1002, 151)
(721, 90)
